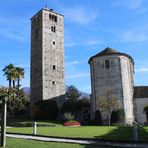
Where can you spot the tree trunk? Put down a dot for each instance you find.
(18, 86)
(109, 118)
(13, 83)
(9, 83)
(3, 124)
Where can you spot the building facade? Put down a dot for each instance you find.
(47, 56)
(140, 102)
(112, 75)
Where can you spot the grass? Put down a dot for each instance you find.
(22, 143)
(56, 129)
(30, 123)
(97, 132)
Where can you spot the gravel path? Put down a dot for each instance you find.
(97, 142)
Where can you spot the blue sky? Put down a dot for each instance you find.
(90, 26)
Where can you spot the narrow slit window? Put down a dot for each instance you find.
(52, 17)
(36, 33)
(53, 28)
(38, 20)
(53, 42)
(55, 19)
(49, 16)
(54, 67)
(107, 64)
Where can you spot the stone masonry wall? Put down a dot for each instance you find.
(47, 57)
(118, 80)
(139, 104)
(128, 86)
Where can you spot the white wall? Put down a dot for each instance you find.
(139, 104)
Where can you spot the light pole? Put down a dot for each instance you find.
(3, 122)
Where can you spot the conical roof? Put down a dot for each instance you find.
(109, 51)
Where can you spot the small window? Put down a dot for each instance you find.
(54, 67)
(34, 21)
(36, 33)
(53, 42)
(38, 20)
(36, 71)
(55, 19)
(107, 64)
(53, 82)
(53, 28)
(49, 16)
(52, 17)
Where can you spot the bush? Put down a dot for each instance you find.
(68, 116)
(45, 110)
(117, 117)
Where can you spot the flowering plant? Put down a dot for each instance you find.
(72, 123)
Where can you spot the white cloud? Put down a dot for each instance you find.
(80, 15)
(14, 29)
(86, 89)
(24, 66)
(70, 44)
(77, 75)
(142, 70)
(129, 4)
(93, 42)
(134, 36)
(74, 63)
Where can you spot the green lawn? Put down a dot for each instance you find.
(99, 132)
(21, 143)
(30, 123)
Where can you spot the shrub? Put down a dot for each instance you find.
(68, 116)
(46, 110)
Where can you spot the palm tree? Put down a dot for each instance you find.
(19, 74)
(9, 72)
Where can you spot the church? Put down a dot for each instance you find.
(113, 72)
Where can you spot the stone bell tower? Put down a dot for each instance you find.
(112, 71)
(47, 56)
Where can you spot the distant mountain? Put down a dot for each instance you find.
(83, 94)
(26, 90)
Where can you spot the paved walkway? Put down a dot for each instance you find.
(97, 142)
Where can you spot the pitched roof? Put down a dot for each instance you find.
(141, 92)
(109, 51)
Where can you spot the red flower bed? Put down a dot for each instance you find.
(72, 123)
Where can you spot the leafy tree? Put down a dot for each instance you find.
(146, 112)
(108, 104)
(16, 106)
(98, 118)
(69, 116)
(69, 106)
(72, 93)
(83, 103)
(118, 117)
(45, 110)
